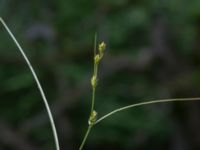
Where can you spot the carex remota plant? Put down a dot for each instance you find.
(94, 82)
(93, 119)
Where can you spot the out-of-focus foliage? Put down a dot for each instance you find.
(153, 52)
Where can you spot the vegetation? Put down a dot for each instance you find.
(153, 53)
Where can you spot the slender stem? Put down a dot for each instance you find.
(37, 82)
(91, 125)
(94, 88)
(96, 69)
(93, 100)
(95, 72)
(95, 44)
(85, 137)
(146, 103)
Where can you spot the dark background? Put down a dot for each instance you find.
(153, 53)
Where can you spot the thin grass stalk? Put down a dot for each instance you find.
(37, 82)
(94, 81)
(145, 103)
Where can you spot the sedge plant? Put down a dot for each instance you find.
(93, 119)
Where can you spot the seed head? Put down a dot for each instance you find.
(97, 59)
(94, 81)
(102, 48)
(93, 118)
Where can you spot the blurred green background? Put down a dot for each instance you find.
(153, 52)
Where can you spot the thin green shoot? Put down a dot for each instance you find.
(94, 81)
(37, 82)
(145, 103)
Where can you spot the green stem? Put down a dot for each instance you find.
(37, 82)
(95, 44)
(146, 103)
(85, 137)
(94, 73)
(93, 96)
(93, 99)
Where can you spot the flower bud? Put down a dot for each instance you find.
(94, 81)
(93, 118)
(102, 47)
(97, 59)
